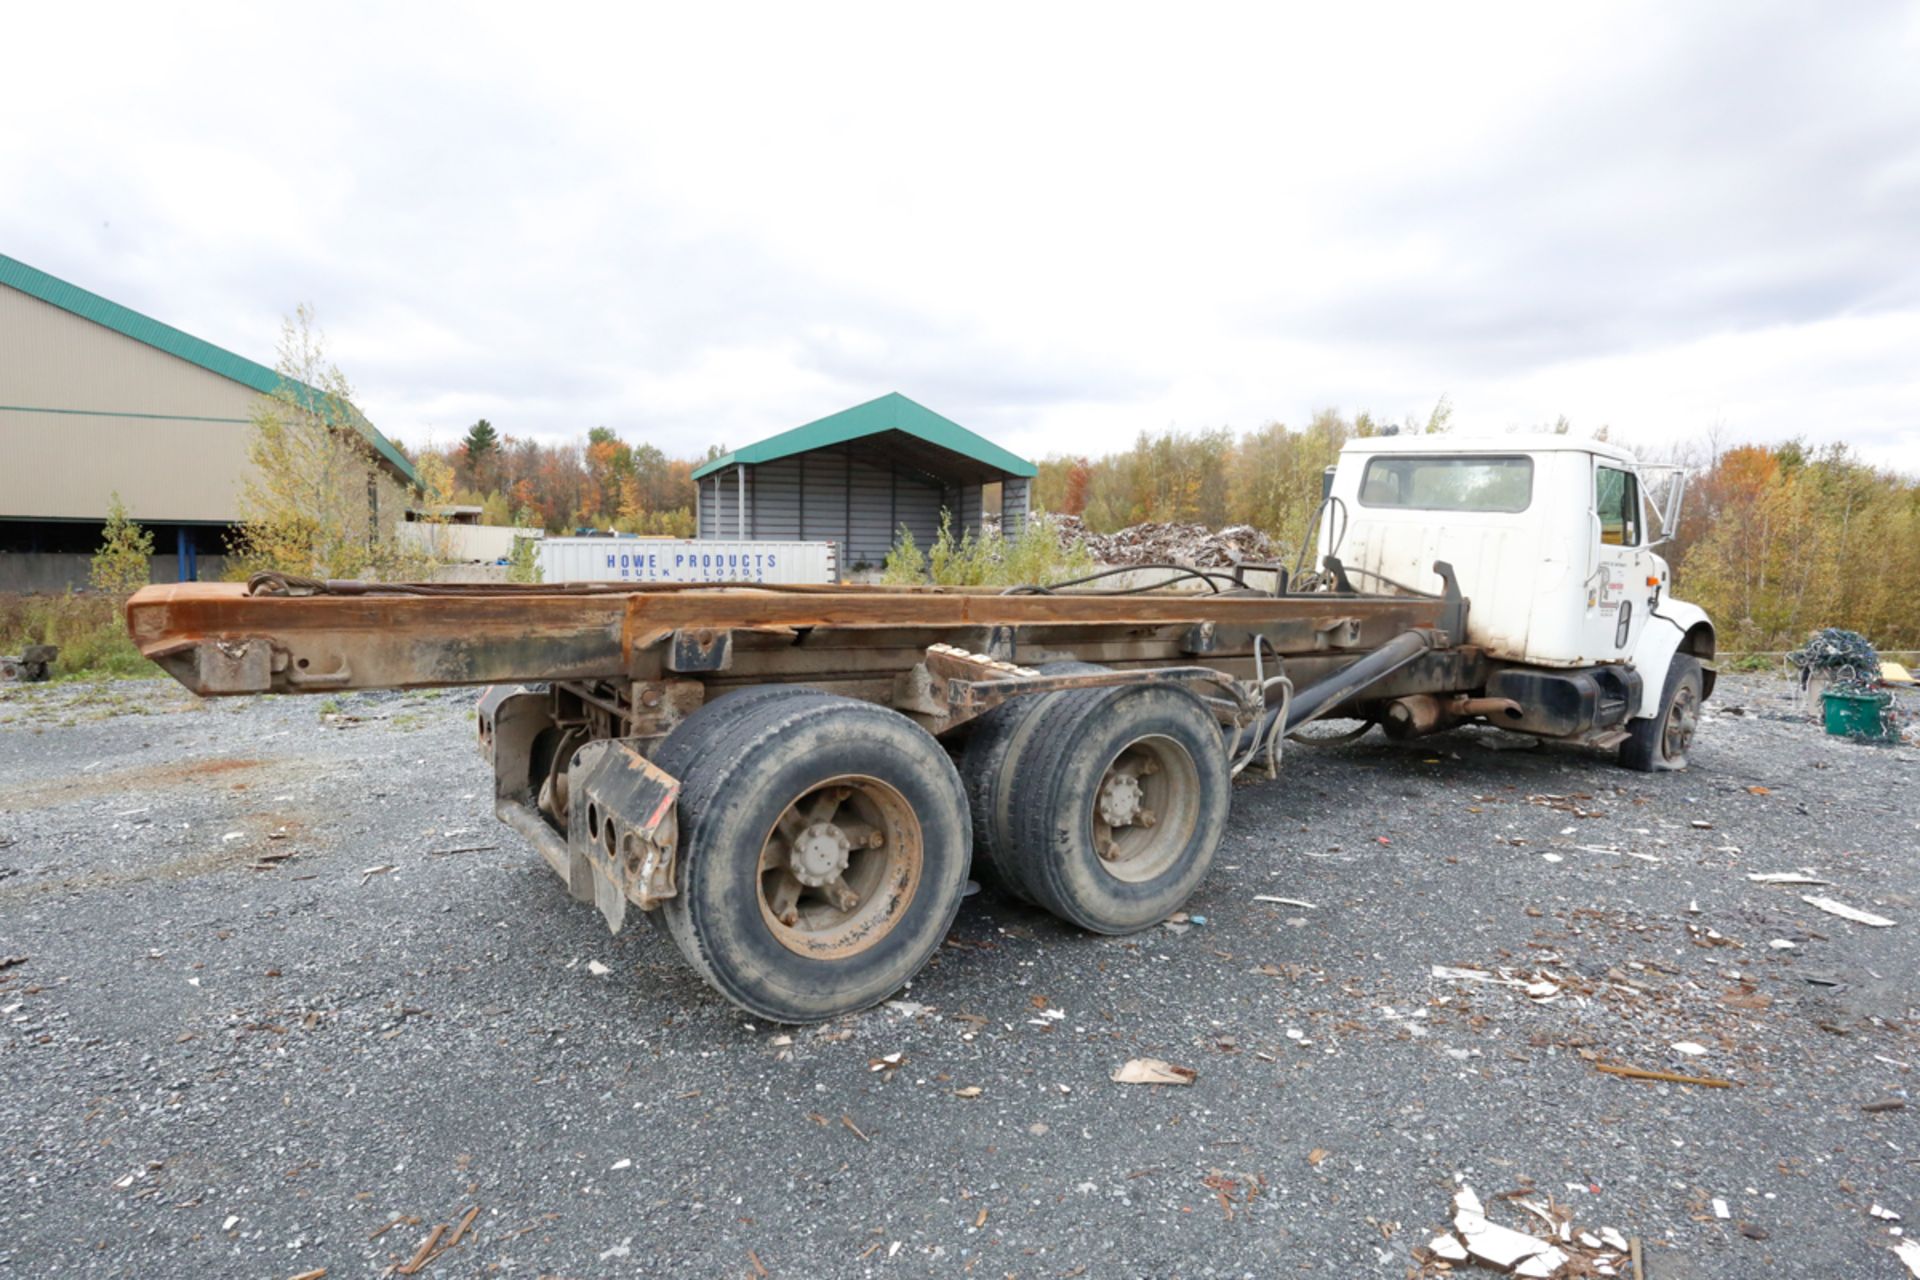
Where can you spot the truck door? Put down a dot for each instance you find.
(1616, 593)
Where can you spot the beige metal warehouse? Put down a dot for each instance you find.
(96, 398)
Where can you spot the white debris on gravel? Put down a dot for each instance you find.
(1540, 987)
(1565, 1250)
(1836, 908)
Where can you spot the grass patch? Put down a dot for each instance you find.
(86, 625)
(1034, 555)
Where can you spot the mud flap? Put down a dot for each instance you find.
(621, 828)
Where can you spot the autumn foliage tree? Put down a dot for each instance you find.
(1779, 541)
(599, 482)
(317, 500)
(121, 566)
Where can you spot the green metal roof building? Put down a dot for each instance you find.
(857, 477)
(97, 399)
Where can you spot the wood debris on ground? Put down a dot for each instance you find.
(437, 1243)
(1666, 1077)
(1170, 543)
(1153, 1071)
(1573, 804)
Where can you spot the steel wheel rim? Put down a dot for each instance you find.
(1145, 809)
(1678, 736)
(839, 867)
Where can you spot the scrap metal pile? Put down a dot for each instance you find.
(1851, 669)
(1846, 658)
(1172, 543)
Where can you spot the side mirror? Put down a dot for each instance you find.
(1669, 512)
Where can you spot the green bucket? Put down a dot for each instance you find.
(1855, 715)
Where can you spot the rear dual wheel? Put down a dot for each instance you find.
(825, 842)
(1118, 800)
(996, 745)
(824, 847)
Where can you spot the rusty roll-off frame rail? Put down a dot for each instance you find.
(638, 646)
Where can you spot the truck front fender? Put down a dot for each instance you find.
(1674, 626)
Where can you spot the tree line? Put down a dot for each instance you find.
(600, 482)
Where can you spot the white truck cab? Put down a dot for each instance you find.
(1553, 542)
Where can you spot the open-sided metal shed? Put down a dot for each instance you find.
(857, 478)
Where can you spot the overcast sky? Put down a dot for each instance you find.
(1057, 224)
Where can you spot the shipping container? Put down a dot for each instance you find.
(685, 560)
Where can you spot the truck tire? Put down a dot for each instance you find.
(693, 737)
(1120, 802)
(824, 848)
(988, 764)
(1661, 742)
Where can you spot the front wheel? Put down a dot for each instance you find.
(824, 846)
(1660, 742)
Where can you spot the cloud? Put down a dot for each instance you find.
(1060, 226)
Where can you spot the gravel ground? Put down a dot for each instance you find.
(216, 1070)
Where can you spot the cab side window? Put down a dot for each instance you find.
(1617, 499)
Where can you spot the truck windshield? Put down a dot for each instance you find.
(1441, 483)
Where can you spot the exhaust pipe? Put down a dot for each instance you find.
(1315, 700)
